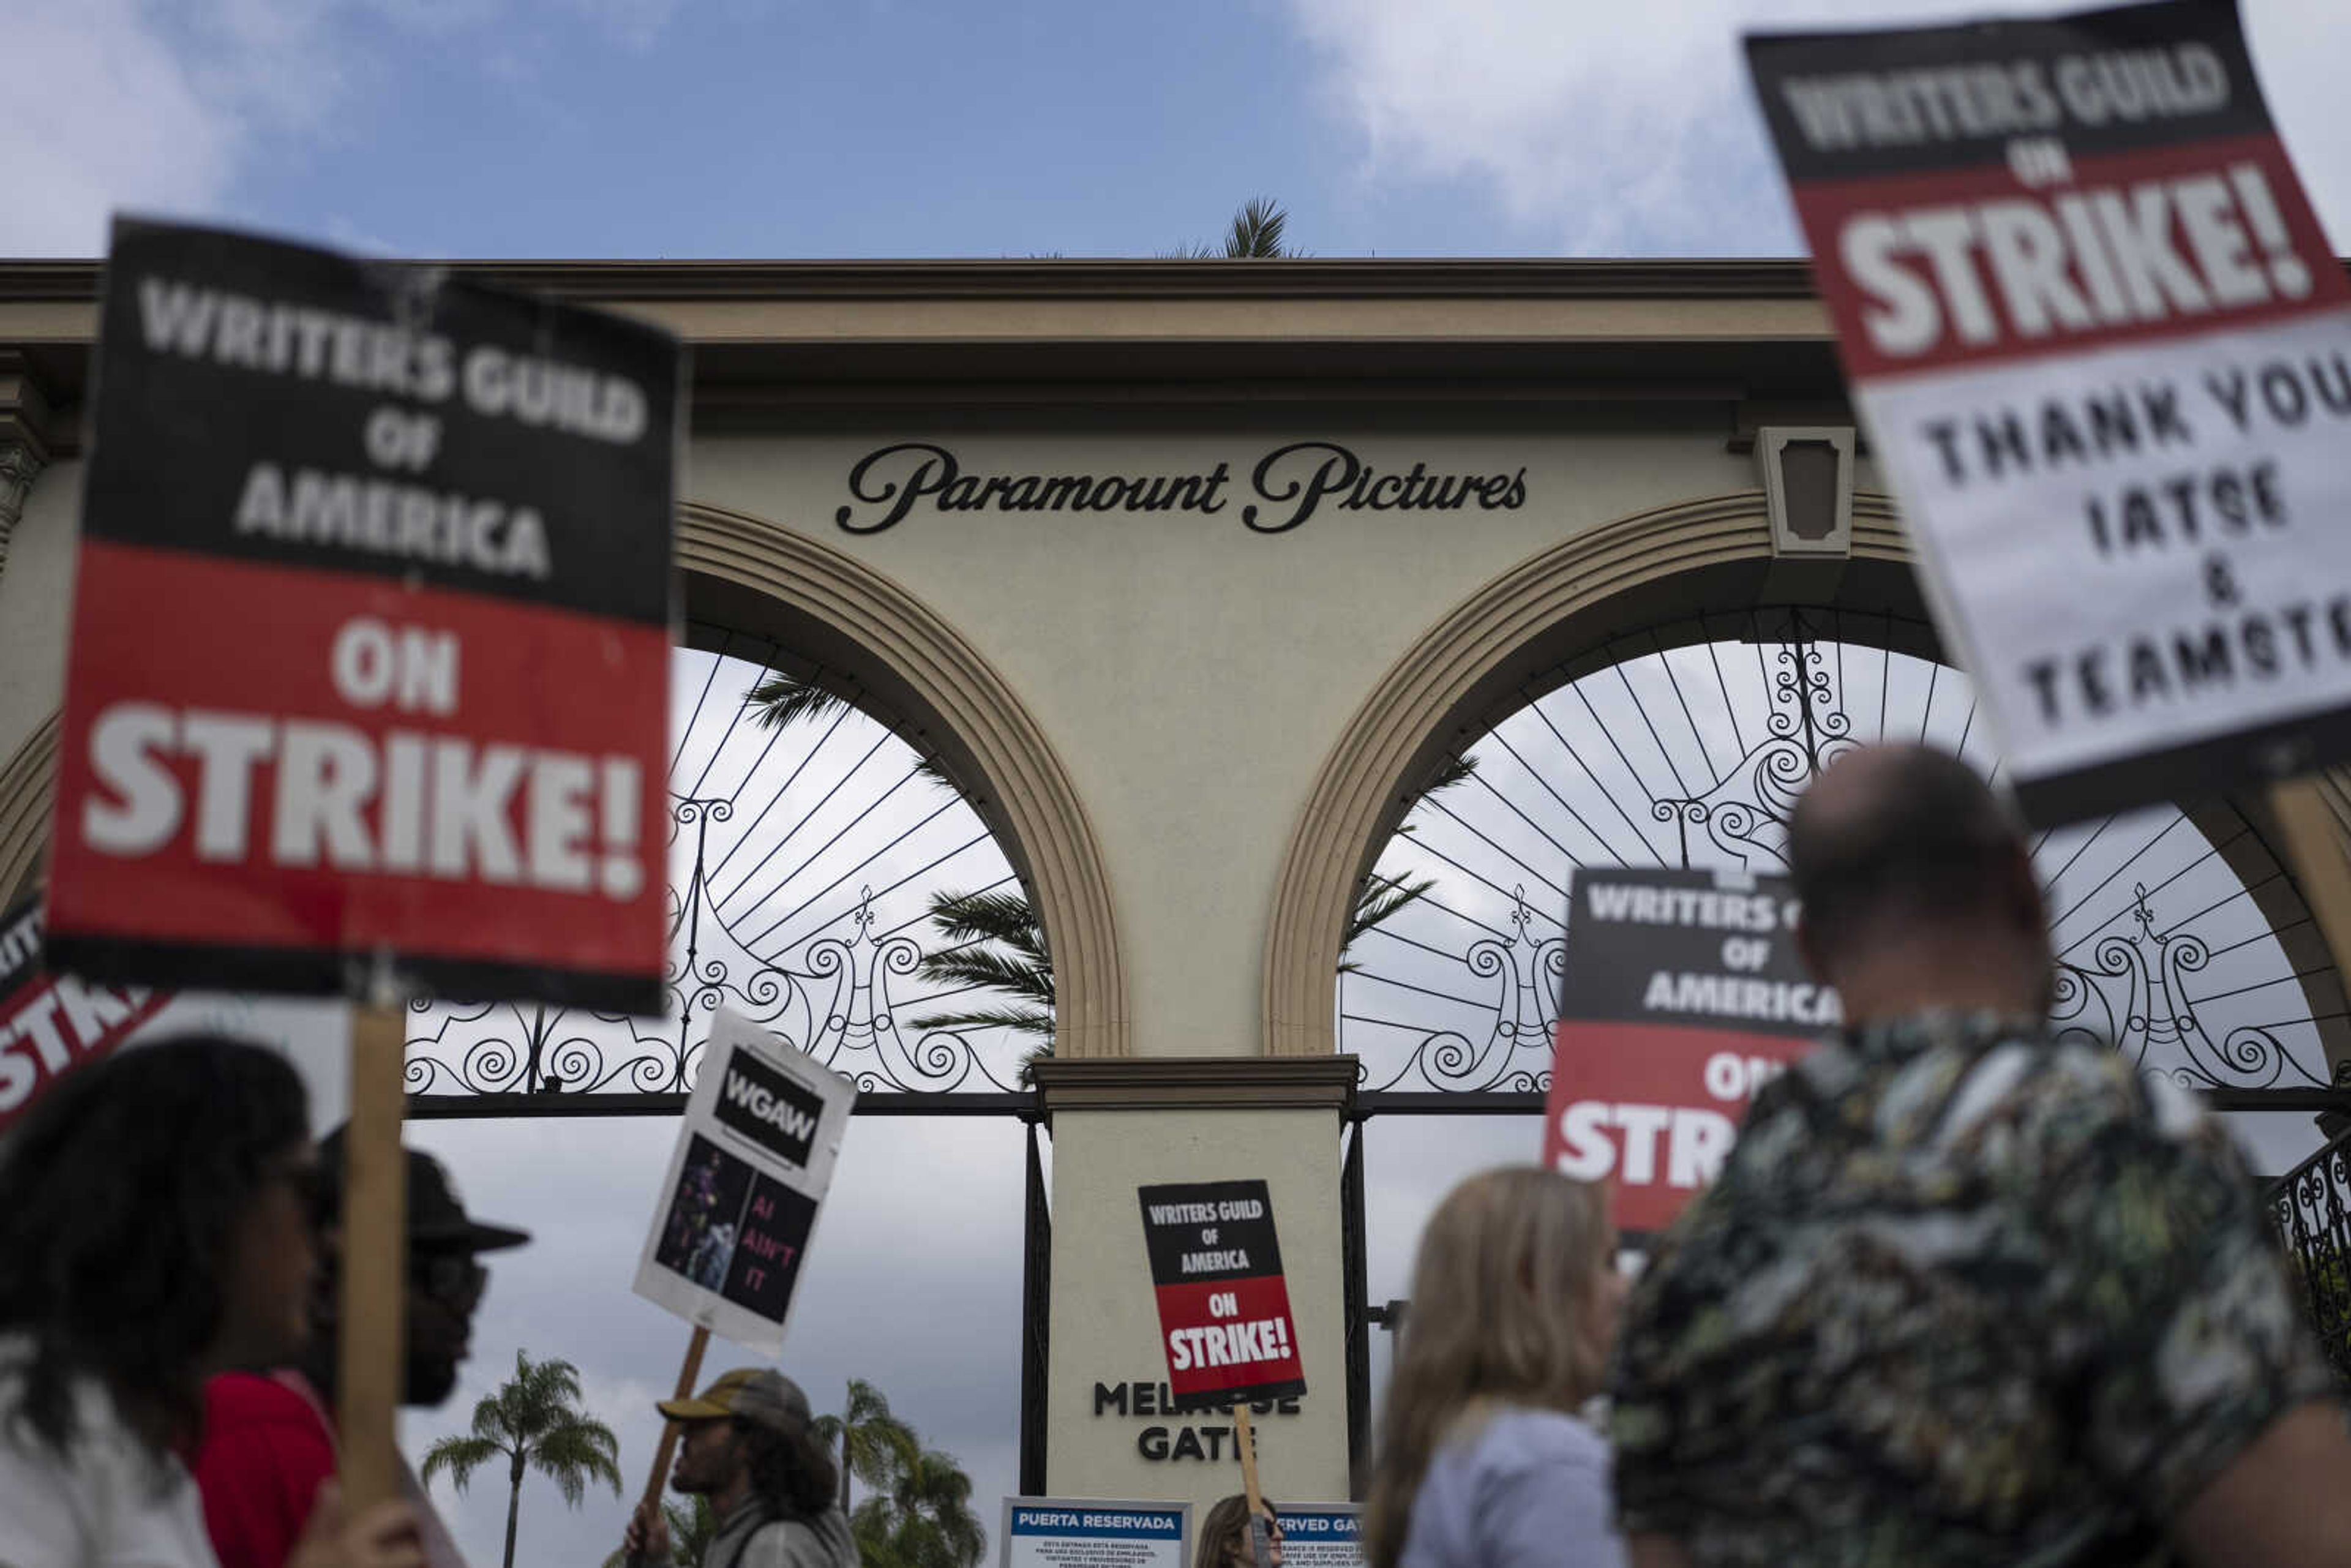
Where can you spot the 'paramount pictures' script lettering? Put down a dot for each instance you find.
(1289, 485)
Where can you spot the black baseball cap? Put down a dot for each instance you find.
(437, 1216)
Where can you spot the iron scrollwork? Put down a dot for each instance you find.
(830, 995)
(2130, 989)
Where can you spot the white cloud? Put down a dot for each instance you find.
(164, 108)
(1606, 128)
(105, 114)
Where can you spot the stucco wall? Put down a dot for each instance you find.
(1105, 1325)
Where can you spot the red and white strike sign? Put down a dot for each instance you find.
(1224, 1307)
(1683, 995)
(52, 1024)
(370, 634)
(2104, 351)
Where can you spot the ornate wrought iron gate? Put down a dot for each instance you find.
(2181, 939)
(804, 858)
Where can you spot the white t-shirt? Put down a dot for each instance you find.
(109, 1505)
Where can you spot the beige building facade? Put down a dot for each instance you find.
(1189, 574)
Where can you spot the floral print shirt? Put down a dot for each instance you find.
(1963, 1294)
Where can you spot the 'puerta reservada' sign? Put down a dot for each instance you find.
(1286, 486)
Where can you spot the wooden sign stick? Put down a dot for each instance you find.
(686, 1374)
(1245, 1439)
(2318, 862)
(374, 1258)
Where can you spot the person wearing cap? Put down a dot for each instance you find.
(748, 1444)
(269, 1433)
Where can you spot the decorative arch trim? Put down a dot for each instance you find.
(1709, 554)
(903, 649)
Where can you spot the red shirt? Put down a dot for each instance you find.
(267, 1445)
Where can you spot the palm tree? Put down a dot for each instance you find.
(531, 1423)
(1256, 236)
(999, 945)
(925, 1520)
(874, 1444)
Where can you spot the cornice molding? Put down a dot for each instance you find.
(1364, 278)
(1197, 1083)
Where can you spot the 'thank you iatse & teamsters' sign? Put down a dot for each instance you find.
(1684, 993)
(371, 633)
(2104, 351)
(1224, 1307)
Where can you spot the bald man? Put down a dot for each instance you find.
(1963, 1293)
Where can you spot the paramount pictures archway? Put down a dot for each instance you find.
(1185, 712)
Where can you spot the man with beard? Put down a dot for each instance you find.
(748, 1444)
(269, 1435)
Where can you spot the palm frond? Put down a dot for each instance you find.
(1256, 230)
(575, 1451)
(1382, 899)
(977, 966)
(1020, 1021)
(460, 1458)
(1455, 770)
(782, 700)
(1005, 917)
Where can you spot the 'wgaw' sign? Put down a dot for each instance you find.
(2104, 351)
(753, 1159)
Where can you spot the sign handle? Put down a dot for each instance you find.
(374, 1257)
(2318, 862)
(687, 1373)
(1245, 1439)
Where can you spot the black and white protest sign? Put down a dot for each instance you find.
(1224, 1306)
(755, 1153)
(2104, 352)
(371, 633)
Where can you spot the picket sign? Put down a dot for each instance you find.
(755, 1154)
(739, 1206)
(374, 1258)
(1224, 1323)
(689, 1372)
(1683, 993)
(1260, 1542)
(367, 689)
(2103, 350)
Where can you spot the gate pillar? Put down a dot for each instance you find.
(1121, 1124)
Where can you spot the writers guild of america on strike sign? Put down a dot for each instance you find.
(2102, 351)
(1683, 994)
(1224, 1306)
(371, 635)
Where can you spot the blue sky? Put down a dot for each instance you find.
(936, 128)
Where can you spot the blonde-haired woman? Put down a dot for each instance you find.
(1482, 1461)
